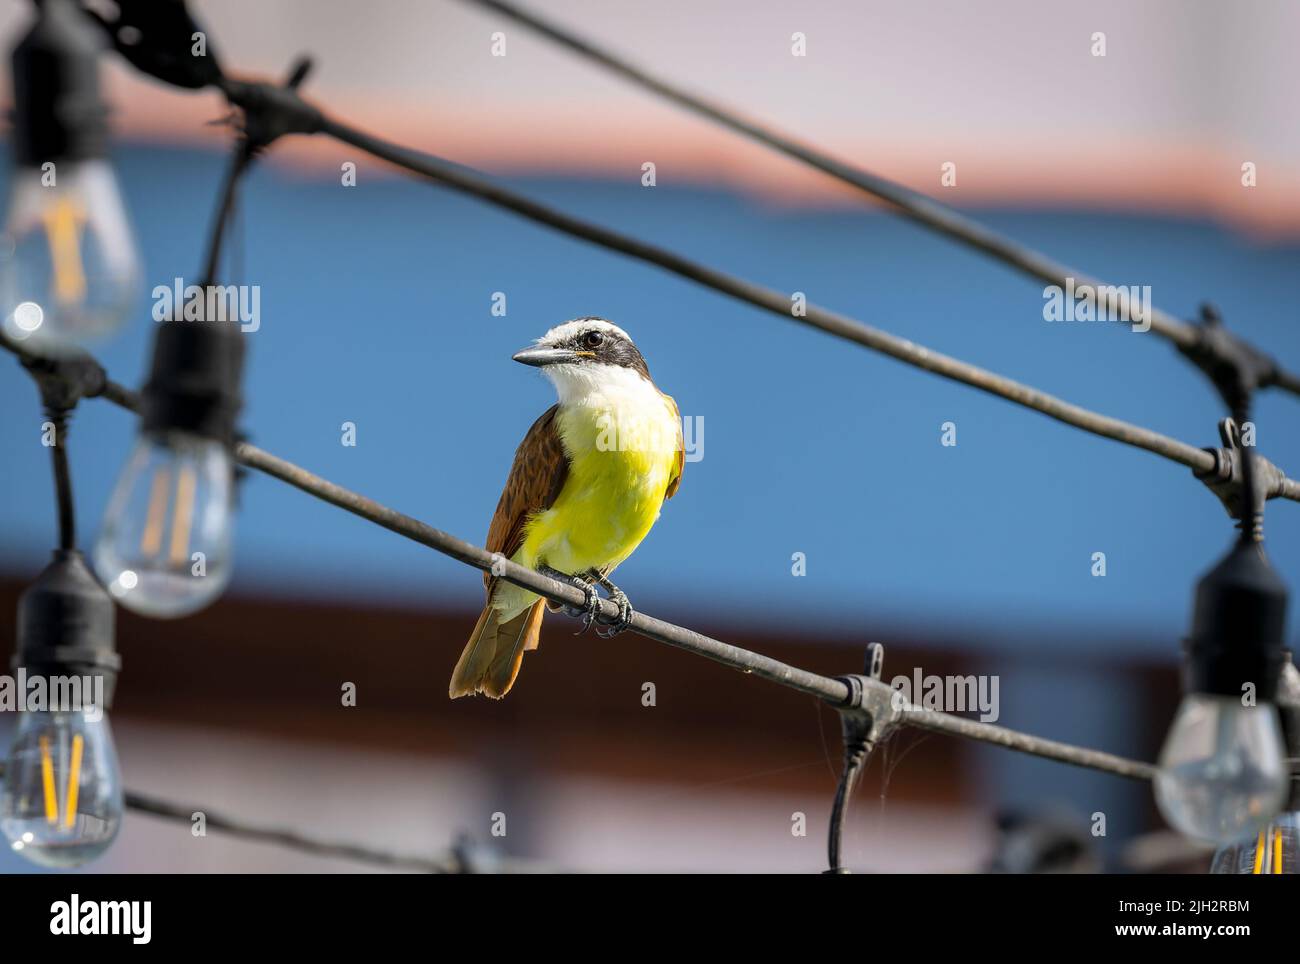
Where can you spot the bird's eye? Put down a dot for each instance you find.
(593, 339)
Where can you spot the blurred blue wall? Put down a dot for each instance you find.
(376, 310)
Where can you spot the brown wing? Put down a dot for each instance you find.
(676, 480)
(535, 480)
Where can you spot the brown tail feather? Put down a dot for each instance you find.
(490, 661)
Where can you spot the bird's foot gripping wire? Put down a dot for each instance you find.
(590, 607)
(625, 611)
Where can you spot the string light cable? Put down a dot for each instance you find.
(147, 34)
(919, 207)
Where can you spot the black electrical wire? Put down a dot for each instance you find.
(451, 863)
(857, 748)
(470, 182)
(831, 689)
(240, 161)
(62, 480)
(462, 859)
(916, 206)
(274, 111)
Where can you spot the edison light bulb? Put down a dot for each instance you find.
(1222, 773)
(62, 801)
(164, 549)
(1274, 850)
(68, 267)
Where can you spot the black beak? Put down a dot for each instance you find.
(541, 357)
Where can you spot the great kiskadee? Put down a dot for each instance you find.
(586, 485)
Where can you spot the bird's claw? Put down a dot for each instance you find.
(590, 607)
(590, 610)
(625, 612)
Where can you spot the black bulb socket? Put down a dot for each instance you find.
(194, 380)
(1238, 627)
(59, 111)
(66, 624)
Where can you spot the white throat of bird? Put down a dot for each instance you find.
(602, 386)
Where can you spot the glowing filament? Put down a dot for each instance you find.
(182, 520)
(63, 222)
(183, 517)
(47, 780)
(74, 781)
(151, 541)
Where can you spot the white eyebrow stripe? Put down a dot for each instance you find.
(569, 329)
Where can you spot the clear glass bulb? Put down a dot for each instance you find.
(1274, 850)
(68, 265)
(164, 547)
(62, 800)
(1222, 773)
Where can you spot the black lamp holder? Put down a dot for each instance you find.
(1239, 613)
(194, 380)
(59, 112)
(65, 625)
(1238, 627)
(65, 618)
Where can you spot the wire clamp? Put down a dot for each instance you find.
(870, 709)
(867, 716)
(65, 379)
(1235, 366)
(1225, 478)
(271, 111)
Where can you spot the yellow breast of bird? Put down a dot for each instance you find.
(622, 451)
